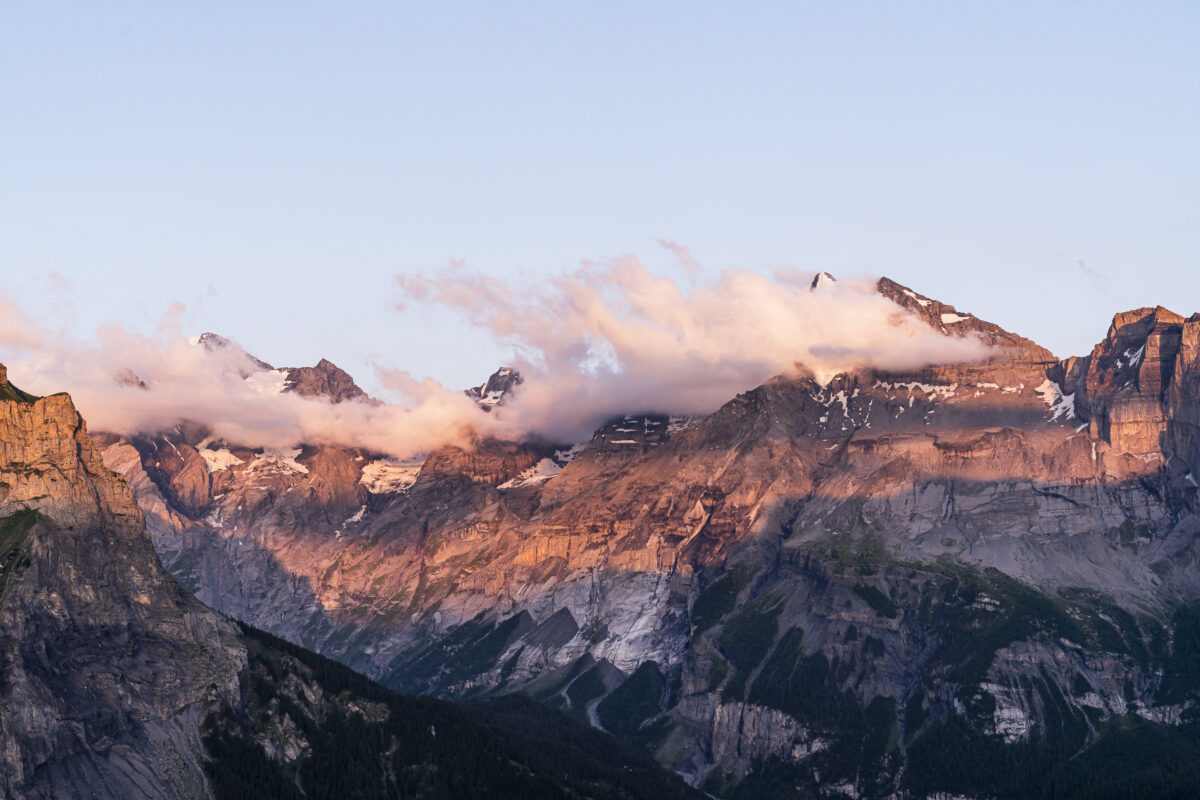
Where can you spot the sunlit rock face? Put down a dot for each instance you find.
(107, 667)
(837, 575)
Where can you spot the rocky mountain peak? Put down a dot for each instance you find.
(952, 322)
(498, 385)
(821, 279)
(213, 342)
(1142, 345)
(129, 378)
(326, 379)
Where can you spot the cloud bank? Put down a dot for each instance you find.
(614, 338)
(131, 383)
(608, 339)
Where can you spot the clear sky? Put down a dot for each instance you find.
(274, 165)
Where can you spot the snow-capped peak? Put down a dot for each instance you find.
(821, 279)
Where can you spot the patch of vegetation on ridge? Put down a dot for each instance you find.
(879, 602)
(746, 640)
(633, 702)
(720, 597)
(1112, 628)
(805, 687)
(978, 612)
(548, 687)
(15, 395)
(364, 741)
(856, 546)
(469, 649)
(809, 688)
(584, 689)
(1130, 757)
(14, 555)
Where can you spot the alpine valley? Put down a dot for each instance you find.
(976, 580)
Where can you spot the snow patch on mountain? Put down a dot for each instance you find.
(540, 472)
(218, 460)
(943, 390)
(921, 300)
(1061, 405)
(279, 460)
(389, 475)
(268, 381)
(1134, 356)
(676, 424)
(565, 457)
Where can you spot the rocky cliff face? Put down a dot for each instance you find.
(1135, 387)
(108, 668)
(829, 584)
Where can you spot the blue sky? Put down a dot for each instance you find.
(272, 167)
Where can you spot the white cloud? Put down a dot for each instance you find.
(614, 338)
(187, 381)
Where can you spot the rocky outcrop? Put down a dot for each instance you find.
(1135, 387)
(326, 379)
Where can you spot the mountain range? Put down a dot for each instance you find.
(967, 580)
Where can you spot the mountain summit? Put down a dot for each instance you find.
(499, 385)
(326, 379)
